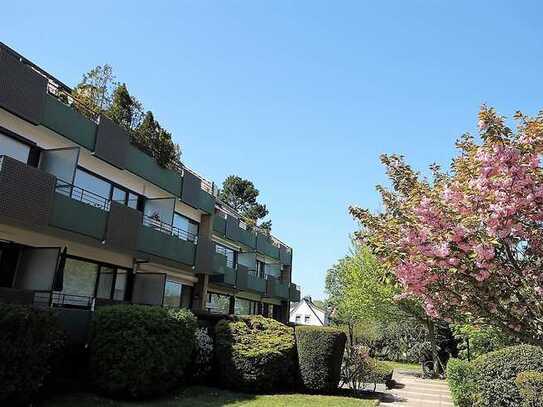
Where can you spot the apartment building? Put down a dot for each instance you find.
(88, 219)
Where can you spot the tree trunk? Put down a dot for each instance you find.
(431, 332)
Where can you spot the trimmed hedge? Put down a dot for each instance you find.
(29, 342)
(461, 376)
(320, 352)
(530, 386)
(139, 351)
(497, 371)
(254, 354)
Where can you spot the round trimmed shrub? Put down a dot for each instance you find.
(255, 354)
(530, 386)
(30, 340)
(139, 351)
(320, 352)
(497, 371)
(461, 379)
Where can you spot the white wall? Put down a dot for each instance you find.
(304, 311)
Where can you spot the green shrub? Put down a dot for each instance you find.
(359, 369)
(530, 386)
(320, 352)
(481, 338)
(497, 371)
(29, 341)
(254, 354)
(461, 379)
(140, 351)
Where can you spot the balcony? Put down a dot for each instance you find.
(265, 246)
(276, 288)
(80, 211)
(160, 239)
(224, 273)
(294, 293)
(247, 237)
(68, 122)
(145, 166)
(255, 283)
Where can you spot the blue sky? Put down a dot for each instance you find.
(301, 96)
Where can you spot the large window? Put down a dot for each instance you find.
(245, 307)
(172, 294)
(228, 253)
(91, 279)
(101, 190)
(187, 228)
(14, 148)
(177, 294)
(218, 303)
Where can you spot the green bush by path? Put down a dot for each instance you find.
(255, 354)
(497, 371)
(530, 386)
(320, 352)
(139, 351)
(29, 341)
(461, 379)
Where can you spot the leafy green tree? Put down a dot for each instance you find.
(95, 90)
(157, 141)
(125, 109)
(242, 195)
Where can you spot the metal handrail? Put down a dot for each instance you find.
(82, 195)
(168, 229)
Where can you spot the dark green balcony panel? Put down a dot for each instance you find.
(192, 186)
(224, 275)
(242, 278)
(277, 289)
(285, 255)
(68, 122)
(282, 290)
(247, 237)
(232, 228)
(219, 225)
(294, 293)
(265, 246)
(78, 217)
(112, 142)
(22, 89)
(160, 244)
(207, 202)
(146, 167)
(255, 283)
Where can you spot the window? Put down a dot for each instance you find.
(185, 224)
(298, 319)
(218, 303)
(260, 269)
(101, 191)
(91, 279)
(105, 282)
(79, 277)
(186, 296)
(172, 294)
(245, 307)
(307, 319)
(228, 253)
(14, 148)
(121, 280)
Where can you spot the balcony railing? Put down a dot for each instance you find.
(168, 229)
(82, 195)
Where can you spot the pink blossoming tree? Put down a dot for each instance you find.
(469, 243)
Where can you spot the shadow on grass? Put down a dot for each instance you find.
(195, 396)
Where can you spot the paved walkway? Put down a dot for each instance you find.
(412, 391)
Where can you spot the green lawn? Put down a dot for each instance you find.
(210, 397)
(405, 366)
